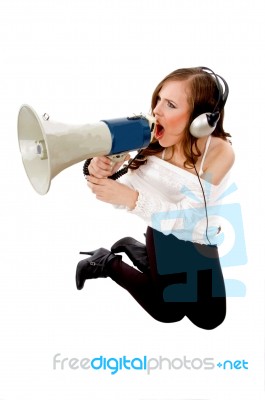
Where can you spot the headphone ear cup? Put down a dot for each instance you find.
(204, 125)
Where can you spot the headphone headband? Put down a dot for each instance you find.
(206, 123)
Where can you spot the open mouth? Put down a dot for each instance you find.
(159, 131)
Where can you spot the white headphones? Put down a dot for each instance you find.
(205, 124)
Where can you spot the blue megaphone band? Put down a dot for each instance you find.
(129, 134)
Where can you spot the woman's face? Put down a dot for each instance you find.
(172, 112)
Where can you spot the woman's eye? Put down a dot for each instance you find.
(171, 105)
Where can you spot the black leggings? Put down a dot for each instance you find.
(185, 279)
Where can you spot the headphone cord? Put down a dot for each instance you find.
(204, 199)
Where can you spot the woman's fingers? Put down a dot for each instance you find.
(100, 167)
(103, 167)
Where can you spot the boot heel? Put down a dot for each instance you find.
(95, 266)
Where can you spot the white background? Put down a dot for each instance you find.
(82, 61)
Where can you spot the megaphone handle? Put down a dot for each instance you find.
(114, 158)
(118, 157)
(117, 174)
(125, 169)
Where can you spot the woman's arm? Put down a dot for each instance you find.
(168, 216)
(113, 192)
(159, 213)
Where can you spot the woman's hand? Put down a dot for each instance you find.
(102, 167)
(112, 192)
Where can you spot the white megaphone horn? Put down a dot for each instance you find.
(49, 147)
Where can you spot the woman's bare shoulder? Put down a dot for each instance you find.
(220, 159)
(220, 147)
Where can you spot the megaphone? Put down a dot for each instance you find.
(48, 147)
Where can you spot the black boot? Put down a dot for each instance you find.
(135, 250)
(93, 267)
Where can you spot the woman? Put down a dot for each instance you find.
(172, 185)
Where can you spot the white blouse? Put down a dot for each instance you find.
(171, 201)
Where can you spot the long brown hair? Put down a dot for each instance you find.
(203, 95)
